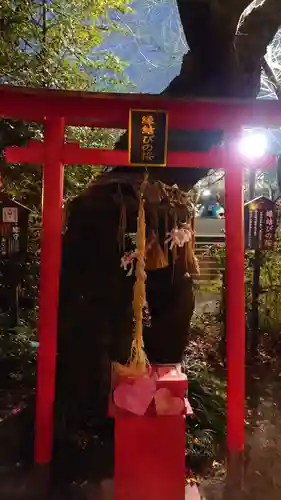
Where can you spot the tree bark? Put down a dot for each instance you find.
(222, 62)
(226, 47)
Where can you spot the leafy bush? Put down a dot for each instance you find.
(52, 45)
(270, 288)
(204, 359)
(17, 357)
(207, 393)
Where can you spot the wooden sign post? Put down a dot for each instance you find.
(13, 248)
(13, 228)
(260, 230)
(260, 224)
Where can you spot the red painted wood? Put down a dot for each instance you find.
(33, 152)
(146, 449)
(150, 458)
(49, 288)
(73, 154)
(150, 450)
(235, 299)
(112, 110)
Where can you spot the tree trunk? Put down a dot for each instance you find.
(223, 62)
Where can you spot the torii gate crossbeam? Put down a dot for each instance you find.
(56, 110)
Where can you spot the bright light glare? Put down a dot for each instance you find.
(206, 193)
(253, 145)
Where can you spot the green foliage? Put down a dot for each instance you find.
(207, 393)
(52, 44)
(17, 356)
(207, 387)
(270, 296)
(78, 176)
(207, 429)
(270, 279)
(17, 344)
(56, 44)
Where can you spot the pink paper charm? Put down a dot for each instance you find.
(192, 492)
(188, 409)
(135, 397)
(166, 404)
(169, 372)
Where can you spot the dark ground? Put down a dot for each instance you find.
(262, 458)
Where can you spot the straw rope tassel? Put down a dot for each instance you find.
(138, 358)
(138, 363)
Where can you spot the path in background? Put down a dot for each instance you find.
(263, 440)
(206, 302)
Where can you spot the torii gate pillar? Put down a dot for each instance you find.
(51, 235)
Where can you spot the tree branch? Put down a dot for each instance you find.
(209, 27)
(272, 78)
(204, 21)
(194, 15)
(232, 10)
(239, 6)
(257, 30)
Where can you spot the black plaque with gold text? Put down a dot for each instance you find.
(148, 138)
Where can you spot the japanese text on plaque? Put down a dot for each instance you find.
(148, 136)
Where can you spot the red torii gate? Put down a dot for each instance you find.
(56, 109)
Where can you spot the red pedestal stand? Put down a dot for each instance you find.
(150, 449)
